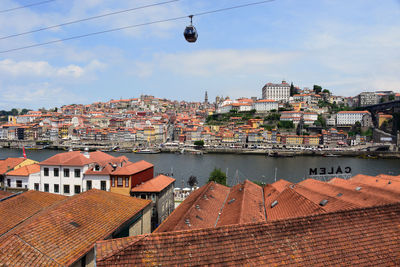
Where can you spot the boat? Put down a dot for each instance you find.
(330, 155)
(147, 151)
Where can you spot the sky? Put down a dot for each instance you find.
(344, 46)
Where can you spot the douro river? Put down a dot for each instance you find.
(241, 167)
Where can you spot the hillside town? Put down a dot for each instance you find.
(285, 116)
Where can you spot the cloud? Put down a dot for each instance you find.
(44, 69)
(216, 62)
(36, 95)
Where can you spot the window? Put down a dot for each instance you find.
(143, 196)
(88, 184)
(46, 187)
(119, 183)
(66, 189)
(46, 171)
(97, 167)
(19, 183)
(8, 182)
(36, 186)
(66, 172)
(56, 188)
(77, 173)
(56, 172)
(127, 182)
(103, 185)
(77, 189)
(113, 182)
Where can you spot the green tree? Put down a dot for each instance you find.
(14, 112)
(326, 91)
(286, 124)
(292, 90)
(391, 97)
(317, 89)
(217, 176)
(199, 144)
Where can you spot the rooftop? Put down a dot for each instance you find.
(157, 184)
(331, 239)
(62, 233)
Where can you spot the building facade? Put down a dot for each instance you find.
(278, 92)
(160, 190)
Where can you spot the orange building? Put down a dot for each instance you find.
(131, 175)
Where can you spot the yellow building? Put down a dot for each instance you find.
(294, 140)
(383, 117)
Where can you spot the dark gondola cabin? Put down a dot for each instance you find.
(190, 32)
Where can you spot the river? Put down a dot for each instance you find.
(239, 167)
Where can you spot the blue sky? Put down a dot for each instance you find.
(344, 46)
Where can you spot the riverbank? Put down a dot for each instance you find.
(271, 152)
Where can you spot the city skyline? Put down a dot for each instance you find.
(344, 47)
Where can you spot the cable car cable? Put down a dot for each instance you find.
(26, 6)
(135, 26)
(86, 19)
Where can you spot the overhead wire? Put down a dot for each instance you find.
(136, 25)
(89, 18)
(26, 6)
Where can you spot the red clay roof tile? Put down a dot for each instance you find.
(358, 237)
(69, 229)
(156, 184)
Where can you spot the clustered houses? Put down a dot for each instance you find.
(149, 121)
(71, 173)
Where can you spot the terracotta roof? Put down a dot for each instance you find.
(20, 207)
(245, 203)
(281, 184)
(156, 184)
(378, 187)
(359, 198)
(199, 210)
(133, 168)
(333, 203)
(290, 204)
(67, 230)
(25, 170)
(4, 194)
(357, 237)
(72, 158)
(9, 164)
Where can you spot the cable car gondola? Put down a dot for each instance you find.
(190, 32)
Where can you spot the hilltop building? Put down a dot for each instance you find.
(278, 92)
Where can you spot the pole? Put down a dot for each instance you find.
(276, 169)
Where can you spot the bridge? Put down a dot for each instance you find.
(391, 107)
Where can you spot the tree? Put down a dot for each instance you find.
(14, 112)
(292, 90)
(391, 97)
(217, 176)
(317, 89)
(199, 144)
(326, 91)
(192, 181)
(286, 124)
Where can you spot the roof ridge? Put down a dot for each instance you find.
(300, 195)
(200, 192)
(33, 247)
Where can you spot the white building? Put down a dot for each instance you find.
(278, 92)
(23, 177)
(265, 105)
(310, 117)
(350, 117)
(74, 172)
